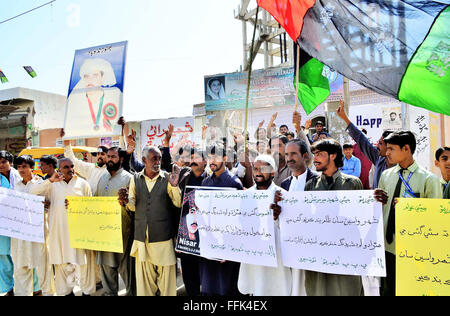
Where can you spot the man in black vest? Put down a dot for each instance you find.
(156, 198)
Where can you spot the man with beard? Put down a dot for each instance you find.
(113, 264)
(219, 278)
(377, 155)
(328, 158)
(259, 280)
(155, 198)
(138, 165)
(297, 156)
(277, 146)
(9, 177)
(73, 267)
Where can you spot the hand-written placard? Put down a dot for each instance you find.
(237, 226)
(338, 232)
(95, 223)
(21, 216)
(423, 247)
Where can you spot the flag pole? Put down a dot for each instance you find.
(297, 65)
(249, 78)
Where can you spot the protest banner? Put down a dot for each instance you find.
(95, 223)
(95, 97)
(337, 232)
(188, 238)
(153, 131)
(422, 247)
(21, 216)
(237, 226)
(188, 235)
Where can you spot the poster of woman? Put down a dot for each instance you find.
(95, 97)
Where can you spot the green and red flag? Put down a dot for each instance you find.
(30, 71)
(3, 78)
(396, 48)
(314, 87)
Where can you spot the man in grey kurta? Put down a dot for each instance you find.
(113, 264)
(328, 158)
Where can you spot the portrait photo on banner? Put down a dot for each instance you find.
(188, 240)
(95, 96)
(215, 88)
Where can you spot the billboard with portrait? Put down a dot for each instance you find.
(95, 96)
(269, 87)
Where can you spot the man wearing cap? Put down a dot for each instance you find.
(319, 132)
(259, 280)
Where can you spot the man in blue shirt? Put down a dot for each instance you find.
(352, 165)
(219, 278)
(376, 154)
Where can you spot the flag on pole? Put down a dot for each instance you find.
(396, 48)
(314, 87)
(30, 71)
(3, 78)
(289, 13)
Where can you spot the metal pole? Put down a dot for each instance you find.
(249, 78)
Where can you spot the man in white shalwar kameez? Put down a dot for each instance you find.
(73, 267)
(30, 257)
(259, 280)
(297, 155)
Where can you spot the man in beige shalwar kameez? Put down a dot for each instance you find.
(73, 267)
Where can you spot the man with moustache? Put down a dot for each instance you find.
(297, 156)
(155, 198)
(73, 267)
(377, 155)
(277, 146)
(219, 278)
(9, 177)
(259, 280)
(191, 176)
(328, 158)
(89, 171)
(113, 264)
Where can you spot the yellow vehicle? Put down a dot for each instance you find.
(37, 153)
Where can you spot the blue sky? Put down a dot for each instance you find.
(172, 45)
